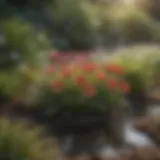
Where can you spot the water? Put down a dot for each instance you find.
(136, 138)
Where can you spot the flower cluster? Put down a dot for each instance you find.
(87, 83)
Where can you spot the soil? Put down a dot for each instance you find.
(154, 95)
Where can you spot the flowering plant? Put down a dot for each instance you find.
(87, 86)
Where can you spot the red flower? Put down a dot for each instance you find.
(116, 69)
(101, 76)
(125, 87)
(58, 86)
(67, 73)
(113, 83)
(89, 67)
(81, 80)
(89, 91)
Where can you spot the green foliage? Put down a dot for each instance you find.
(156, 66)
(79, 24)
(132, 25)
(106, 29)
(143, 68)
(13, 82)
(150, 6)
(74, 23)
(135, 75)
(153, 61)
(19, 142)
(22, 42)
(8, 85)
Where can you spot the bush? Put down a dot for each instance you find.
(157, 70)
(21, 44)
(132, 25)
(106, 30)
(153, 61)
(18, 142)
(13, 83)
(136, 75)
(84, 87)
(74, 24)
(150, 6)
(142, 65)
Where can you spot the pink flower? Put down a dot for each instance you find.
(125, 87)
(54, 56)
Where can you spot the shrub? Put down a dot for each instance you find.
(87, 86)
(153, 61)
(132, 25)
(19, 142)
(106, 29)
(142, 68)
(21, 44)
(150, 6)
(12, 83)
(135, 74)
(74, 24)
(156, 68)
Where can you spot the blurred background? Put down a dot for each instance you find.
(121, 31)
